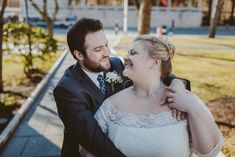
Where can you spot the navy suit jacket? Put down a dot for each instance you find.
(77, 99)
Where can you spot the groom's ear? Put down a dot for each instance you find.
(79, 56)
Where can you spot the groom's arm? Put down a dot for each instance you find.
(81, 125)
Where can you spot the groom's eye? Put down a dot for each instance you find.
(98, 49)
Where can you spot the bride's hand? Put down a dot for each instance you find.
(182, 100)
(178, 114)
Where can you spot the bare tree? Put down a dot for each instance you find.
(43, 12)
(217, 7)
(144, 16)
(3, 7)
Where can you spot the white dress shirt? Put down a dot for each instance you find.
(93, 76)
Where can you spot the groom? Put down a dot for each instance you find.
(82, 89)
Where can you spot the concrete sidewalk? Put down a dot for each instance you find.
(40, 133)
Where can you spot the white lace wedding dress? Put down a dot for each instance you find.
(154, 135)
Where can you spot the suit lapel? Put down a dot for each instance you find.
(89, 84)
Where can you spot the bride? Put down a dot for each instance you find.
(140, 126)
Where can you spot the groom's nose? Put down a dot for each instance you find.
(106, 51)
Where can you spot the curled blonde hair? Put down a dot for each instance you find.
(159, 48)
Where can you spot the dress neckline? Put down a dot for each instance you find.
(158, 114)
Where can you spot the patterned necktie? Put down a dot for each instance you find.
(100, 79)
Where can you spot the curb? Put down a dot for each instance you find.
(12, 125)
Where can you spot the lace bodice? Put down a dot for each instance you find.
(152, 135)
(109, 114)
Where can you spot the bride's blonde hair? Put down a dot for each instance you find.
(159, 48)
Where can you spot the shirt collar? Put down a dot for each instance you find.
(93, 76)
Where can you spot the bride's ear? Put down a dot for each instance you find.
(78, 55)
(158, 61)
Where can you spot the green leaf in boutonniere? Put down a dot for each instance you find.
(113, 78)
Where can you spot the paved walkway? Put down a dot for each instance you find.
(40, 133)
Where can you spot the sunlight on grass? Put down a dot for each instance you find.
(13, 70)
(210, 79)
(218, 41)
(13, 67)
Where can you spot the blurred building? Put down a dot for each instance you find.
(180, 13)
(12, 10)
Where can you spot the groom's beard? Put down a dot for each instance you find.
(102, 65)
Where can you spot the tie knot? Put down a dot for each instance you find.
(100, 77)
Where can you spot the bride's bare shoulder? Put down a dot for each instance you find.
(119, 97)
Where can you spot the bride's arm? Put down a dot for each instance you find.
(206, 137)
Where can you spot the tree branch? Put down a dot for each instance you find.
(56, 10)
(45, 8)
(36, 7)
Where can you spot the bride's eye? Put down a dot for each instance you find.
(132, 52)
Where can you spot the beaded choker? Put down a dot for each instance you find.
(155, 92)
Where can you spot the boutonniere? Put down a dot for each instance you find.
(113, 78)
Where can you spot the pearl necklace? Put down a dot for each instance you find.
(155, 92)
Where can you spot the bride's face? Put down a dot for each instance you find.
(137, 61)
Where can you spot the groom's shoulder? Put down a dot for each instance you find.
(67, 78)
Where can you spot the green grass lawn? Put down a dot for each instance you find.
(13, 67)
(210, 66)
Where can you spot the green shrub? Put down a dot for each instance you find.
(30, 42)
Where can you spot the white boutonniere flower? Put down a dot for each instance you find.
(113, 78)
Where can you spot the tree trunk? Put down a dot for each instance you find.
(216, 10)
(209, 12)
(50, 28)
(232, 12)
(4, 4)
(43, 12)
(144, 16)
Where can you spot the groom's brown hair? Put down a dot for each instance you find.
(77, 34)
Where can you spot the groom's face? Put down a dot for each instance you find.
(97, 52)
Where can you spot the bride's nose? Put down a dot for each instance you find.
(126, 57)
